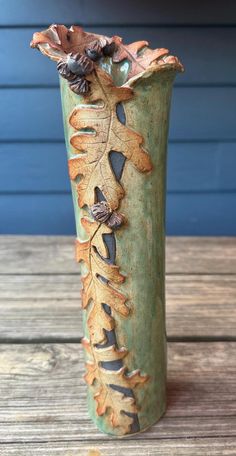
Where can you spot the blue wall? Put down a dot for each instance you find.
(34, 187)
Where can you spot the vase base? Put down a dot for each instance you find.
(126, 436)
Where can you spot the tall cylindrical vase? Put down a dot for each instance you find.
(115, 101)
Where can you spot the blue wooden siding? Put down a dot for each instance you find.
(201, 195)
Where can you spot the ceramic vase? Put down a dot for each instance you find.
(115, 102)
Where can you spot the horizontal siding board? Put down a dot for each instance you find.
(203, 113)
(197, 113)
(187, 214)
(35, 214)
(208, 56)
(29, 114)
(106, 12)
(33, 168)
(34, 68)
(191, 167)
(201, 214)
(201, 167)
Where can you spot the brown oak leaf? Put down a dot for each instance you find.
(116, 404)
(98, 355)
(98, 284)
(109, 400)
(108, 353)
(138, 54)
(98, 133)
(91, 374)
(58, 41)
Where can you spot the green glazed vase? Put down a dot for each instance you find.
(115, 101)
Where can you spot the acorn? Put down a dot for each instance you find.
(109, 49)
(80, 86)
(94, 51)
(115, 220)
(64, 71)
(79, 64)
(101, 211)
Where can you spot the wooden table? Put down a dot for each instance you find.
(42, 394)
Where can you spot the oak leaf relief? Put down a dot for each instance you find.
(58, 41)
(139, 55)
(100, 283)
(110, 400)
(99, 132)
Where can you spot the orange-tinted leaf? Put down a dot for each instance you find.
(91, 374)
(116, 404)
(99, 131)
(100, 282)
(138, 54)
(58, 40)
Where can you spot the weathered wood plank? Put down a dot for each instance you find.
(55, 255)
(37, 255)
(61, 427)
(172, 447)
(43, 394)
(47, 307)
(207, 287)
(40, 320)
(201, 306)
(201, 255)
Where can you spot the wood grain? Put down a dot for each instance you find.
(55, 255)
(201, 306)
(48, 307)
(43, 394)
(43, 401)
(201, 255)
(38, 255)
(173, 447)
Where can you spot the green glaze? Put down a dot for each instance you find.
(140, 244)
(69, 100)
(141, 247)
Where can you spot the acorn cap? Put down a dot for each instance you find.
(64, 71)
(79, 64)
(94, 51)
(115, 220)
(101, 211)
(80, 86)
